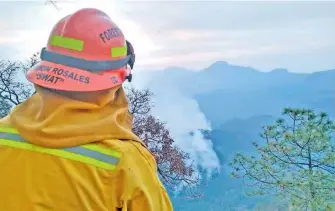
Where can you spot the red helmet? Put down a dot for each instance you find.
(86, 51)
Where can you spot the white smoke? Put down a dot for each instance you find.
(183, 116)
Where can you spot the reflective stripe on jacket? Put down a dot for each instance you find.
(104, 176)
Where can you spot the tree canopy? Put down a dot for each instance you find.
(295, 161)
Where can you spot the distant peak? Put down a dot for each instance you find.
(221, 62)
(218, 64)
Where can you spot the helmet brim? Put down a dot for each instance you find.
(62, 77)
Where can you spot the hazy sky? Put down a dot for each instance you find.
(296, 35)
(299, 36)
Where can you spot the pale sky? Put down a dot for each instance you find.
(296, 35)
(299, 36)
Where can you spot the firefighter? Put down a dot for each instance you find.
(70, 146)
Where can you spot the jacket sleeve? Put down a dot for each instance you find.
(141, 187)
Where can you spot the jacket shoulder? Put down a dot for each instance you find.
(137, 177)
(132, 152)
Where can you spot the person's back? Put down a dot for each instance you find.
(70, 145)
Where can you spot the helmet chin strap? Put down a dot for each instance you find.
(131, 61)
(131, 54)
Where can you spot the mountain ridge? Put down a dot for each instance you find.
(238, 101)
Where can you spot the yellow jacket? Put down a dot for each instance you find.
(64, 155)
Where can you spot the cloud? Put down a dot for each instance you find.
(29, 31)
(241, 32)
(224, 14)
(197, 48)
